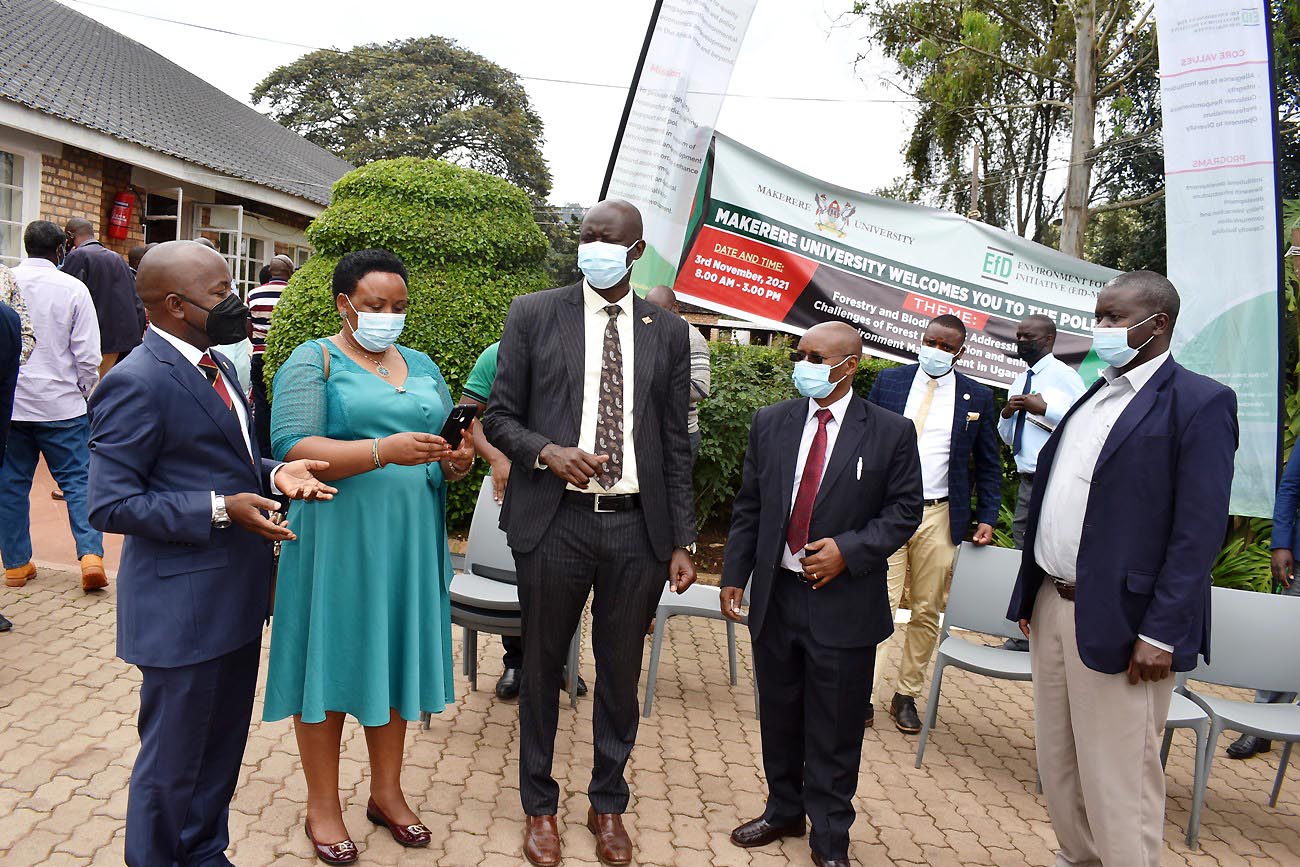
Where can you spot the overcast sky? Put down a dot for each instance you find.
(794, 48)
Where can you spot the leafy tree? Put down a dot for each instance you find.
(561, 227)
(1286, 63)
(1017, 77)
(422, 97)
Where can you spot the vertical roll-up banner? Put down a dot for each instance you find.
(673, 105)
(1222, 211)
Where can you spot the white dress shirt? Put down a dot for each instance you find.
(790, 559)
(193, 355)
(1065, 500)
(63, 368)
(1058, 384)
(594, 320)
(935, 442)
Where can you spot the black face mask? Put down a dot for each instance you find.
(1029, 351)
(227, 320)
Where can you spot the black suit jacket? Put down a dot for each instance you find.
(112, 288)
(869, 517)
(11, 347)
(537, 399)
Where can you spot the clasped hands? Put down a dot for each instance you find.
(822, 564)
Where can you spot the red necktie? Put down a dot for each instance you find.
(796, 537)
(213, 373)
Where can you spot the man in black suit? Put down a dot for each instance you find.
(589, 404)
(112, 287)
(832, 487)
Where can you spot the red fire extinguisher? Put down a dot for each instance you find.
(119, 219)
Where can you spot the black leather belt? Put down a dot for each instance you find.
(1064, 588)
(938, 502)
(797, 576)
(604, 503)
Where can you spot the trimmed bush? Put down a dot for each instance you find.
(470, 243)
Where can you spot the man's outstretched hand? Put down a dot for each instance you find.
(296, 480)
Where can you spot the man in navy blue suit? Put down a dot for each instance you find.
(1115, 578)
(174, 467)
(956, 428)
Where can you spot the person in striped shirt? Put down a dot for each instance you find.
(664, 297)
(261, 304)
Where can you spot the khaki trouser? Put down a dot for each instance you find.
(1098, 742)
(928, 557)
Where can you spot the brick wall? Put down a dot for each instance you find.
(117, 177)
(72, 186)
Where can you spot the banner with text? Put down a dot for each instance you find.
(675, 104)
(1221, 210)
(775, 246)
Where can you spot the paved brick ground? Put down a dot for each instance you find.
(67, 741)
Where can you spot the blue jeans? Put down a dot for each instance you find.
(1265, 696)
(66, 447)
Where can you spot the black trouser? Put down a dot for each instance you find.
(261, 405)
(813, 701)
(582, 551)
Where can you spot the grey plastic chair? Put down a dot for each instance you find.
(982, 581)
(484, 597)
(699, 600)
(1186, 714)
(1254, 642)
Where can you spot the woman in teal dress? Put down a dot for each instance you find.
(362, 620)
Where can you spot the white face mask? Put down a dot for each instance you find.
(1111, 344)
(377, 331)
(935, 361)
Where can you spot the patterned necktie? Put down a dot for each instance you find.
(1019, 435)
(923, 411)
(796, 536)
(213, 373)
(609, 409)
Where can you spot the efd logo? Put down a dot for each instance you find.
(998, 265)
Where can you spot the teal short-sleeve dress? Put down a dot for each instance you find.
(362, 612)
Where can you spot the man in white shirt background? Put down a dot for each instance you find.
(1114, 586)
(1038, 399)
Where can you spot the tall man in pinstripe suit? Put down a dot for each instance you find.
(590, 406)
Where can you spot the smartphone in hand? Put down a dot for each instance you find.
(462, 416)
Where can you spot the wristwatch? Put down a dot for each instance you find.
(220, 518)
(689, 549)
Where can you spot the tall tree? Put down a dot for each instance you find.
(1286, 63)
(1028, 80)
(424, 97)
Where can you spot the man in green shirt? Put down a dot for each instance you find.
(478, 388)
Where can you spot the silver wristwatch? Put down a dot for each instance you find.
(220, 518)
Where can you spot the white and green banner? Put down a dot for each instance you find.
(775, 246)
(1221, 209)
(686, 66)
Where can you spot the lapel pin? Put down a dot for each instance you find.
(965, 397)
(646, 319)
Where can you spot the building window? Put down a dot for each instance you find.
(11, 208)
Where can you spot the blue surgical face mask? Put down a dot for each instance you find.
(602, 263)
(814, 380)
(377, 331)
(934, 361)
(1111, 344)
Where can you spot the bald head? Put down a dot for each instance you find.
(615, 213)
(663, 296)
(207, 242)
(281, 268)
(836, 338)
(179, 282)
(615, 222)
(79, 229)
(838, 345)
(1153, 290)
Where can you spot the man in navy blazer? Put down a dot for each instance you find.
(956, 427)
(1114, 586)
(832, 487)
(174, 468)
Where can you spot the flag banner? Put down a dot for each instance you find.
(1221, 209)
(777, 247)
(659, 153)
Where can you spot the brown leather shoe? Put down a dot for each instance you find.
(613, 846)
(342, 852)
(93, 576)
(410, 836)
(819, 861)
(541, 841)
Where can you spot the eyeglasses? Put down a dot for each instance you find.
(815, 357)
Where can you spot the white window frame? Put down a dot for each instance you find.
(31, 190)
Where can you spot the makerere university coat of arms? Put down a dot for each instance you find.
(832, 217)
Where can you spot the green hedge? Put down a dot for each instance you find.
(470, 243)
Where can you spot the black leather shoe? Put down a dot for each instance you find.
(5, 625)
(903, 710)
(508, 685)
(829, 862)
(760, 832)
(1021, 644)
(1248, 745)
(871, 715)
